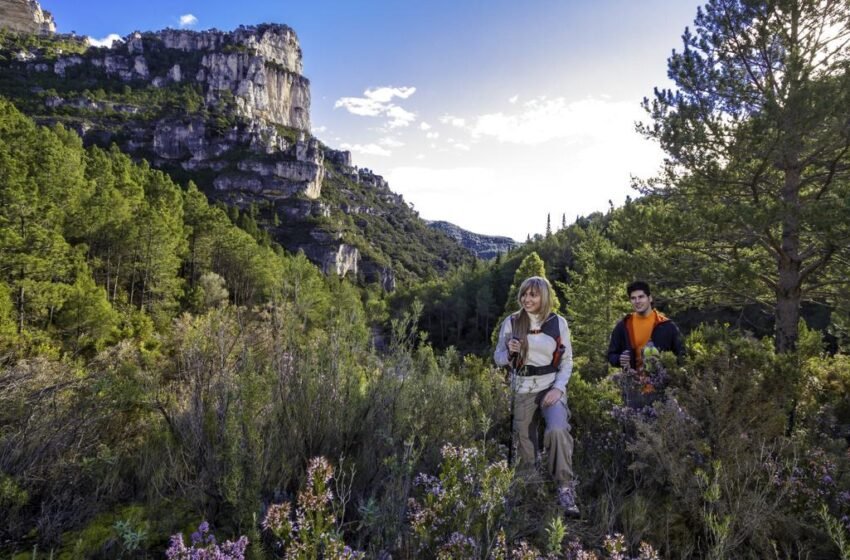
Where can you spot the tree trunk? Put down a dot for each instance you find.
(788, 285)
(108, 272)
(117, 279)
(787, 306)
(21, 307)
(789, 265)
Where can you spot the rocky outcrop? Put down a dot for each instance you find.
(26, 16)
(261, 89)
(343, 262)
(483, 246)
(257, 69)
(279, 178)
(274, 43)
(378, 274)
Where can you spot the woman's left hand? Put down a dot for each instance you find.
(552, 396)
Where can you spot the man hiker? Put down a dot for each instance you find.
(635, 344)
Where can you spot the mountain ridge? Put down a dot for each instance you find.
(483, 246)
(229, 110)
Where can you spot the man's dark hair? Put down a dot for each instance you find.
(635, 286)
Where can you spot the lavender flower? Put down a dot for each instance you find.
(204, 547)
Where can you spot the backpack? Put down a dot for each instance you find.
(551, 328)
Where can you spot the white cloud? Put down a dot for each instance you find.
(432, 135)
(188, 20)
(424, 126)
(386, 94)
(360, 106)
(319, 129)
(420, 156)
(454, 121)
(391, 142)
(544, 120)
(513, 99)
(399, 117)
(367, 149)
(377, 102)
(461, 146)
(106, 41)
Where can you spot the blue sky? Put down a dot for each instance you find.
(489, 114)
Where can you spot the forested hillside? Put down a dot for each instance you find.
(170, 376)
(229, 111)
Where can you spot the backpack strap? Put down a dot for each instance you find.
(552, 328)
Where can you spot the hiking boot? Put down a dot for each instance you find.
(567, 500)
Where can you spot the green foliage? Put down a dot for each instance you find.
(556, 531)
(837, 532)
(531, 265)
(7, 323)
(713, 463)
(595, 299)
(86, 317)
(48, 46)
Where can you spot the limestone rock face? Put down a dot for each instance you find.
(261, 89)
(277, 44)
(340, 157)
(26, 16)
(345, 260)
(260, 65)
(256, 68)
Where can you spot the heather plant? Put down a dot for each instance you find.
(311, 529)
(612, 547)
(460, 512)
(824, 408)
(203, 546)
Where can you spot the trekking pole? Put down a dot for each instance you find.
(514, 356)
(628, 379)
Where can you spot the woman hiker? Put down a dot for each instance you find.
(536, 343)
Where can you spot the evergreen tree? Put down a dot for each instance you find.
(531, 265)
(595, 298)
(757, 170)
(39, 182)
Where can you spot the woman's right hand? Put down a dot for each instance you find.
(514, 346)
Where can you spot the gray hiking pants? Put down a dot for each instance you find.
(557, 441)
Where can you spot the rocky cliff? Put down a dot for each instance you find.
(229, 111)
(483, 246)
(25, 16)
(257, 69)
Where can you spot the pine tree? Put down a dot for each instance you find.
(531, 265)
(757, 172)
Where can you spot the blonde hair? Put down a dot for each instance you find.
(522, 322)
